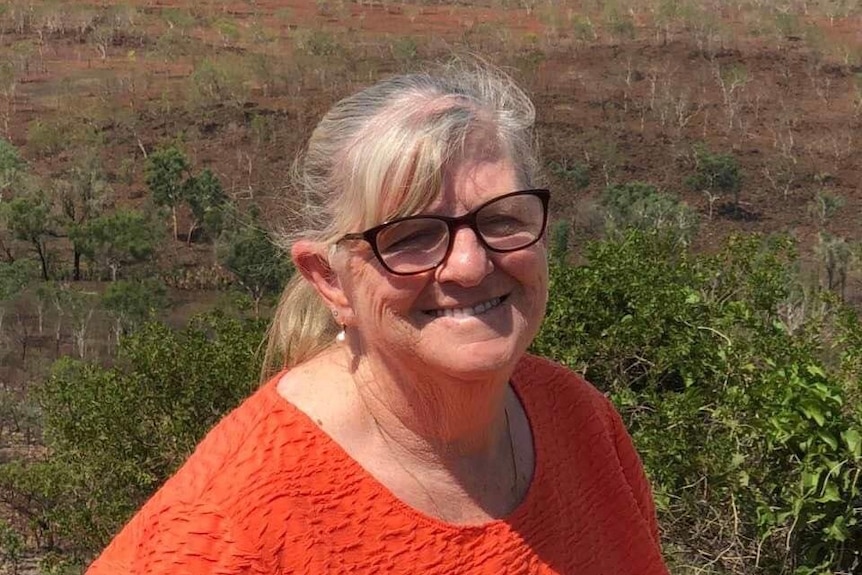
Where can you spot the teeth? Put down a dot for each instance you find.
(467, 311)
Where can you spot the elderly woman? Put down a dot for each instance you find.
(407, 431)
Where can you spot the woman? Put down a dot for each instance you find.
(407, 431)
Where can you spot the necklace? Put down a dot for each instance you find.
(439, 512)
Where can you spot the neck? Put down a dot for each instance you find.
(435, 419)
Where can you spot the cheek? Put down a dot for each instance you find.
(380, 297)
(530, 269)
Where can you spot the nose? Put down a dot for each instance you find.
(468, 262)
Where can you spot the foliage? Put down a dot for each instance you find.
(115, 434)
(319, 43)
(14, 278)
(206, 198)
(641, 206)
(405, 51)
(258, 265)
(172, 184)
(835, 255)
(82, 197)
(167, 170)
(133, 303)
(116, 239)
(11, 547)
(46, 139)
(560, 232)
(219, 82)
(716, 174)
(574, 174)
(11, 165)
(28, 218)
(825, 205)
(749, 432)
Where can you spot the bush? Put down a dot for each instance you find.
(751, 434)
(641, 206)
(716, 174)
(116, 434)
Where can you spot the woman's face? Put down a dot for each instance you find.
(437, 320)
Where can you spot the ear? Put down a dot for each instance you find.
(311, 259)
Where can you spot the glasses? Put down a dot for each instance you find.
(416, 244)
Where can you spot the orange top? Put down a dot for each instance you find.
(269, 492)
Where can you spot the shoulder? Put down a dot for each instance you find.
(562, 402)
(540, 376)
(213, 508)
(228, 444)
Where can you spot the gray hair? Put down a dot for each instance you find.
(380, 154)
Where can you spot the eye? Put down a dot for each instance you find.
(501, 224)
(418, 234)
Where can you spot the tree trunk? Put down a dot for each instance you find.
(174, 217)
(76, 270)
(192, 228)
(43, 258)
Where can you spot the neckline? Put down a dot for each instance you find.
(393, 502)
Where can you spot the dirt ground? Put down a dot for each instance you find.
(623, 89)
(784, 102)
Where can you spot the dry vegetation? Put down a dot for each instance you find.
(626, 90)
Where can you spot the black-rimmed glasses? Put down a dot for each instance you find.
(416, 244)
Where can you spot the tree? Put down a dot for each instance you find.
(29, 219)
(166, 174)
(14, 278)
(133, 303)
(560, 233)
(641, 206)
(715, 175)
(11, 166)
(205, 197)
(117, 239)
(82, 197)
(257, 264)
(573, 173)
(835, 255)
(80, 306)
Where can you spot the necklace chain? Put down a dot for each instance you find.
(513, 488)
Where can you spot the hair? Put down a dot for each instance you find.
(381, 154)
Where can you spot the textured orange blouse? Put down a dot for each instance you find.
(269, 492)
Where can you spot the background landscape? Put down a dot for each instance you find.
(706, 169)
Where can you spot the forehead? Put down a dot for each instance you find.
(472, 183)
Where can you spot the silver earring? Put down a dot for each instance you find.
(341, 336)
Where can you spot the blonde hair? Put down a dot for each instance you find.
(380, 154)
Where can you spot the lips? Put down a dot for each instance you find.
(467, 311)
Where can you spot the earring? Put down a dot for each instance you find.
(341, 336)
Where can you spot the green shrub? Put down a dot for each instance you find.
(11, 548)
(572, 173)
(749, 431)
(641, 206)
(716, 174)
(115, 434)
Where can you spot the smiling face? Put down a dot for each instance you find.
(471, 317)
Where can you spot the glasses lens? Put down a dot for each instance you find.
(511, 223)
(413, 245)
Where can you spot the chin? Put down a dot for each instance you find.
(484, 360)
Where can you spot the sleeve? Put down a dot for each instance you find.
(183, 539)
(634, 471)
